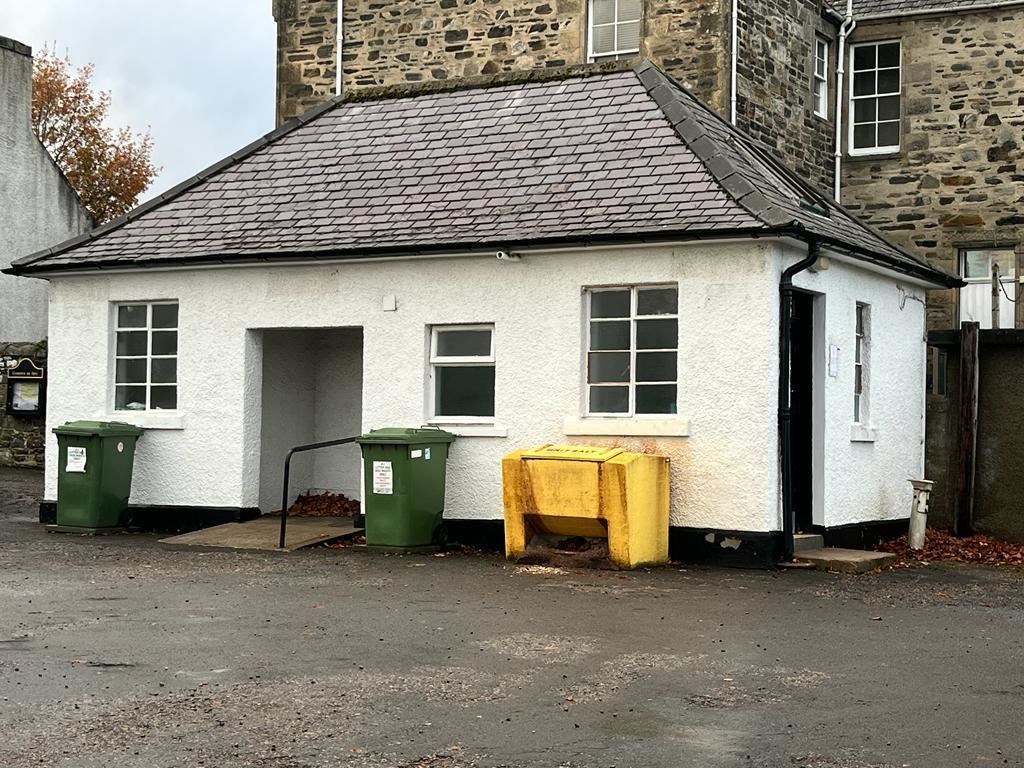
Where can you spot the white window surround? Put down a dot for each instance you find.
(861, 430)
(144, 358)
(638, 426)
(859, 433)
(484, 426)
(169, 420)
(819, 78)
(886, 84)
(617, 24)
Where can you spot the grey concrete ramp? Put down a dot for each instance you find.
(845, 560)
(262, 533)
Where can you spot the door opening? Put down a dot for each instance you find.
(801, 388)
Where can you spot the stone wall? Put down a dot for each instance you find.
(388, 43)
(774, 70)
(22, 438)
(958, 178)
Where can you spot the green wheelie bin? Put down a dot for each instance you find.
(94, 472)
(404, 473)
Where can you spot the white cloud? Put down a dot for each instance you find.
(199, 74)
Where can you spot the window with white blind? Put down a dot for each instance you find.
(819, 81)
(875, 98)
(632, 350)
(613, 28)
(146, 356)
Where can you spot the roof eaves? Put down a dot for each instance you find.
(935, 11)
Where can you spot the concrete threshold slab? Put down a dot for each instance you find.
(845, 560)
(262, 533)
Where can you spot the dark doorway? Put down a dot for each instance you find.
(801, 387)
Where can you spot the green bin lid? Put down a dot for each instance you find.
(405, 436)
(98, 429)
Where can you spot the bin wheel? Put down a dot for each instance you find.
(441, 536)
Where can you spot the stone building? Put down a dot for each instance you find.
(418, 40)
(38, 208)
(936, 161)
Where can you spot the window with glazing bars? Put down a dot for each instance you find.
(819, 82)
(875, 98)
(614, 28)
(632, 350)
(146, 356)
(861, 351)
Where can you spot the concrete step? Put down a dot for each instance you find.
(804, 541)
(845, 560)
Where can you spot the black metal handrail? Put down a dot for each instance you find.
(287, 470)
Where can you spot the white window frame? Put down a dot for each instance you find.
(819, 78)
(618, 52)
(149, 357)
(633, 317)
(862, 363)
(876, 150)
(468, 361)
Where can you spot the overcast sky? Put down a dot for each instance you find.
(198, 73)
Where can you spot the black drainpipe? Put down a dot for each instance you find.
(785, 409)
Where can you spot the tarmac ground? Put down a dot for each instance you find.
(118, 651)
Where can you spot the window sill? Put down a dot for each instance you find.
(472, 430)
(150, 419)
(888, 154)
(860, 433)
(627, 427)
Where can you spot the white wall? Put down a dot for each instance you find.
(37, 206)
(864, 480)
(724, 474)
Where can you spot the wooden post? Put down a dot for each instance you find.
(967, 443)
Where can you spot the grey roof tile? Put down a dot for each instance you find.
(588, 156)
(868, 9)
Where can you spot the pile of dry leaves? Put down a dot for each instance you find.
(943, 545)
(324, 504)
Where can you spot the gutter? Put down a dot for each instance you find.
(785, 404)
(845, 29)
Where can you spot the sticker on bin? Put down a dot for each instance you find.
(76, 459)
(416, 454)
(426, 454)
(383, 478)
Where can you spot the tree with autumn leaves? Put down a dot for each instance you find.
(108, 168)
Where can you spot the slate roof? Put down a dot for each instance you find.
(601, 155)
(870, 9)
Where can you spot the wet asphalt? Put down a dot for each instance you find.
(118, 651)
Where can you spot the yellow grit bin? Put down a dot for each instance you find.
(580, 490)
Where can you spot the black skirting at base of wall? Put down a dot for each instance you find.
(865, 535)
(170, 519)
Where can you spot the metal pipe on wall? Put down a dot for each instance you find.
(845, 29)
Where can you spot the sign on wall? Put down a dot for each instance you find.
(26, 388)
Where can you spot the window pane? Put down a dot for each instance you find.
(889, 134)
(863, 136)
(856, 408)
(656, 301)
(471, 343)
(656, 398)
(604, 367)
(609, 335)
(165, 342)
(976, 264)
(130, 372)
(889, 81)
(609, 399)
(164, 371)
(131, 316)
(604, 39)
(629, 36)
(130, 398)
(165, 316)
(889, 55)
(656, 334)
(656, 366)
(609, 304)
(864, 83)
(864, 57)
(858, 379)
(604, 11)
(163, 398)
(130, 343)
(629, 10)
(464, 390)
(864, 111)
(889, 108)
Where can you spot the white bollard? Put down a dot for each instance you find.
(919, 513)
